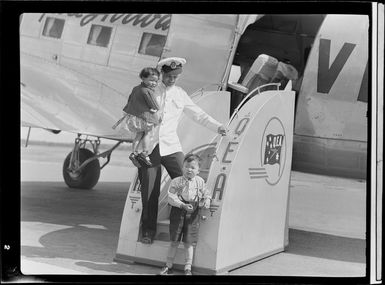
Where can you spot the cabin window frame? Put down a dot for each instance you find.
(43, 28)
(110, 39)
(141, 47)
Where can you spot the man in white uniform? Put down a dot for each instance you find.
(168, 150)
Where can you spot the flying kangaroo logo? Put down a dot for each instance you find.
(273, 151)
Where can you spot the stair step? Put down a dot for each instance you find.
(163, 236)
(162, 231)
(164, 222)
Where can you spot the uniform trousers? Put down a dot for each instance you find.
(150, 179)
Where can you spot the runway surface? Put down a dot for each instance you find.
(67, 231)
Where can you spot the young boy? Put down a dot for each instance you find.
(186, 195)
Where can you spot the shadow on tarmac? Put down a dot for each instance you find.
(326, 246)
(95, 248)
(92, 220)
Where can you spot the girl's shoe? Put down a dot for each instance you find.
(134, 160)
(166, 271)
(145, 159)
(187, 272)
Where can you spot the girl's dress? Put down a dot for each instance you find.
(136, 124)
(138, 117)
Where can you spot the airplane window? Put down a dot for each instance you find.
(53, 27)
(99, 35)
(152, 44)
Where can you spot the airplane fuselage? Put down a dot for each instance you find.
(330, 132)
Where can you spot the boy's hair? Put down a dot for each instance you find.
(192, 157)
(148, 71)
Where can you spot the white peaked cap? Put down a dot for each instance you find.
(172, 61)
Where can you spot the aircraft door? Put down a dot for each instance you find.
(205, 41)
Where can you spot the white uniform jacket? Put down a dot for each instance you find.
(176, 102)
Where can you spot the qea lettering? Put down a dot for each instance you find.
(228, 149)
(231, 147)
(242, 123)
(219, 185)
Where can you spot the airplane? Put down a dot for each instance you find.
(77, 71)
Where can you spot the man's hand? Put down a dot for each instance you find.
(206, 204)
(222, 130)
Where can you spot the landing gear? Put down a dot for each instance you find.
(88, 176)
(81, 168)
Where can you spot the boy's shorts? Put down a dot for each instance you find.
(182, 227)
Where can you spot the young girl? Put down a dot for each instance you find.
(186, 195)
(142, 114)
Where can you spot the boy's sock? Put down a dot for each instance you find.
(187, 267)
(189, 251)
(171, 254)
(169, 263)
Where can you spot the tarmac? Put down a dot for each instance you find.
(67, 231)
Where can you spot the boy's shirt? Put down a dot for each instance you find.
(188, 190)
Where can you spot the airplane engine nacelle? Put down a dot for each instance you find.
(249, 179)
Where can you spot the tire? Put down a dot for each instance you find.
(88, 177)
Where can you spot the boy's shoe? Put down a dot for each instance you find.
(166, 271)
(134, 160)
(142, 158)
(187, 272)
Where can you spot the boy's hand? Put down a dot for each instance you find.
(189, 208)
(206, 204)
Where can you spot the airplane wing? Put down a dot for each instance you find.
(58, 98)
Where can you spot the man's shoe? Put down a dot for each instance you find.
(134, 160)
(146, 240)
(187, 272)
(166, 271)
(144, 159)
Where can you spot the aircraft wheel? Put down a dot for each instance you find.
(88, 177)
